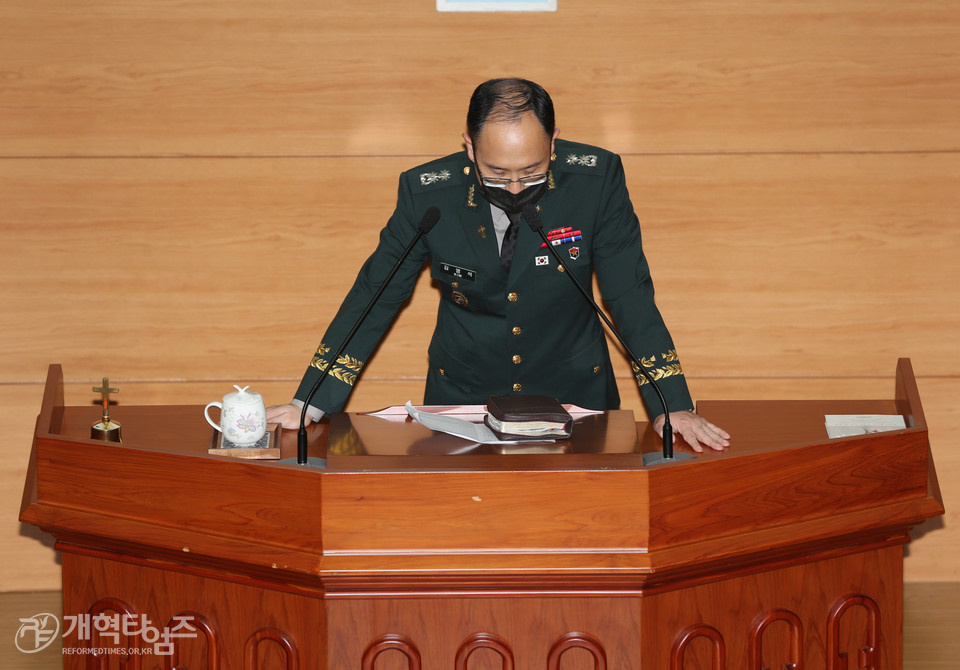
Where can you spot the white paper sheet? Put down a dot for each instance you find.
(456, 425)
(846, 425)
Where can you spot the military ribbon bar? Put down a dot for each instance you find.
(572, 237)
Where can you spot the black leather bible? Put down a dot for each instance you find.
(528, 417)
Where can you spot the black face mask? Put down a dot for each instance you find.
(513, 203)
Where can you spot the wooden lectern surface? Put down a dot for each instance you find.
(409, 547)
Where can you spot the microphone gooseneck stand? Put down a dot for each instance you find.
(532, 216)
(428, 221)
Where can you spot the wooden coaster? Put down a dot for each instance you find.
(268, 448)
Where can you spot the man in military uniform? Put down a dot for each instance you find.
(509, 320)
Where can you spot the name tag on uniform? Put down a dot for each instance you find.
(458, 272)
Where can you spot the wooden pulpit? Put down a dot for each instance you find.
(416, 551)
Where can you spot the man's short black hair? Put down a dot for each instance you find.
(508, 100)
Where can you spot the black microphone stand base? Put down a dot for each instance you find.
(312, 462)
(657, 458)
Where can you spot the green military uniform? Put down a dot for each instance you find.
(523, 330)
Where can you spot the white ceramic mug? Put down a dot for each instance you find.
(243, 416)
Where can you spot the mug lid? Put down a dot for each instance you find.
(241, 396)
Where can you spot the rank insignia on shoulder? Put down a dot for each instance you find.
(587, 160)
(430, 178)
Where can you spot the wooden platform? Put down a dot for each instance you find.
(785, 549)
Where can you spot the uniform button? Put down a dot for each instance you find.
(455, 284)
(560, 268)
(517, 330)
(442, 372)
(517, 359)
(517, 388)
(512, 296)
(596, 369)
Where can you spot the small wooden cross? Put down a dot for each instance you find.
(106, 390)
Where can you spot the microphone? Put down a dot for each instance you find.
(532, 216)
(427, 223)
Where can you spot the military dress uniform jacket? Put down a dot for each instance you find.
(527, 330)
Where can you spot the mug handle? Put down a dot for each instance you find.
(207, 416)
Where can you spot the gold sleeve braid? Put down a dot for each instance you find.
(346, 369)
(670, 368)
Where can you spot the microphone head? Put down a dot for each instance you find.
(429, 220)
(532, 216)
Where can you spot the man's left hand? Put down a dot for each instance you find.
(695, 430)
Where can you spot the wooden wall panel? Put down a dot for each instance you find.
(318, 77)
(182, 268)
(794, 165)
(806, 265)
(766, 266)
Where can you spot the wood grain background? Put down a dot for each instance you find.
(188, 188)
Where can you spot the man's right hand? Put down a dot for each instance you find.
(288, 416)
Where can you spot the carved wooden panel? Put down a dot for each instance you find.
(483, 641)
(252, 649)
(732, 623)
(868, 651)
(679, 651)
(210, 640)
(237, 623)
(387, 643)
(100, 657)
(795, 650)
(577, 640)
(487, 633)
(794, 617)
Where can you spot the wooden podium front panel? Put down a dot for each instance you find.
(522, 632)
(811, 614)
(242, 620)
(399, 487)
(482, 510)
(846, 606)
